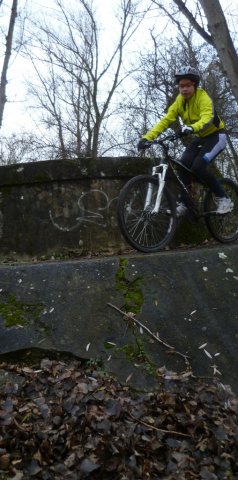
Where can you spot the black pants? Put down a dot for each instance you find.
(198, 155)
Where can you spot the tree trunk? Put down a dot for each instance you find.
(222, 41)
(9, 39)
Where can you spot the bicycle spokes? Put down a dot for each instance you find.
(145, 228)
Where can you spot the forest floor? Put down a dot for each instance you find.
(67, 419)
(64, 419)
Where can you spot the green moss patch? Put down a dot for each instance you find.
(16, 313)
(131, 289)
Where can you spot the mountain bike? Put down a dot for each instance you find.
(147, 205)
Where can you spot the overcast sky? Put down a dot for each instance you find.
(16, 116)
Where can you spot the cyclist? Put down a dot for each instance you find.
(195, 108)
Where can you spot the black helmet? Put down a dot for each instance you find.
(188, 72)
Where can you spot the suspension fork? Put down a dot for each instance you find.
(160, 172)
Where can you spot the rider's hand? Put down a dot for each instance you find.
(143, 144)
(186, 130)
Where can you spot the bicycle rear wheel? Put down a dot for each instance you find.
(144, 230)
(223, 228)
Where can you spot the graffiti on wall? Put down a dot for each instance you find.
(92, 207)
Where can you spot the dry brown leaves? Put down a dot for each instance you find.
(65, 421)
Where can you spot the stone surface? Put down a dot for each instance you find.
(189, 297)
(48, 206)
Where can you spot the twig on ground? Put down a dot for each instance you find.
(155, 337)
(168, 432)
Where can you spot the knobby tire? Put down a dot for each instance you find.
(144, 231)
(223, 228)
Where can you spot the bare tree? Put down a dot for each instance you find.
(219, 37)
(193, 21)
(9, 40)
(77, 85)
(17, 148)
(222, 41)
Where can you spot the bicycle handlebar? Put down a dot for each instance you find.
(170, 138)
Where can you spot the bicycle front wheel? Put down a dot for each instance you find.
(144, 229)
(223, 228)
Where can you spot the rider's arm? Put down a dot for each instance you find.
(207, 114)
(164, 123)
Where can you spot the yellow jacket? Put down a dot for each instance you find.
(198, 111)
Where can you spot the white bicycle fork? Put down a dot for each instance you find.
(160, 172)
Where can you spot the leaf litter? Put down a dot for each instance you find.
(70, 420)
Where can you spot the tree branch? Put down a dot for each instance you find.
(9, 39)
(131, 318)
(183, 9)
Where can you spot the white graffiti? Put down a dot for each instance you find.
(85, 214)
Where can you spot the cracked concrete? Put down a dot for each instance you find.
(189, 297)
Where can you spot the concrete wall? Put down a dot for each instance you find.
(53, 205)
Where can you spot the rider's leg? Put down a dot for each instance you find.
(211, 146)
(191, 151)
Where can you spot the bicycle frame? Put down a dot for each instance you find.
(190, 201)
(160, 171)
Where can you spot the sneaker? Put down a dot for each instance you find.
(224, 205)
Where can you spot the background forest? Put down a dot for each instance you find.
(95, 83)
